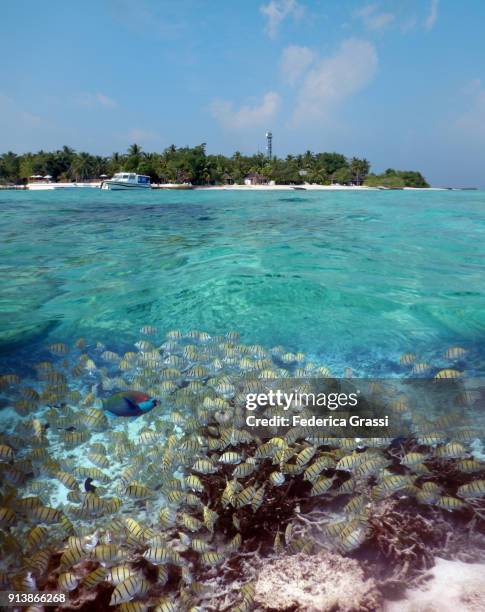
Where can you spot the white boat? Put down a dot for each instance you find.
(127, 180)
(42, 186)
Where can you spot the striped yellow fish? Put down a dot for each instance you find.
(321, 486)
(455, 352)
(6, 453)
(7, 516)
(420, 368)
(44, 514)
(134, 529)
(158, 554)
(119, 574)
(448, 373)
(95, 577)
(67, 581)
(126, 590)
(211, 558)
(59, 348)
(210, 518)
(472, 490)
(230, 458)
(106, 552)
(407, 358)
(449, 503)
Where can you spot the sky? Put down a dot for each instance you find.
(400, 82)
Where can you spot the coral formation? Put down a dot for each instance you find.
(175, 509)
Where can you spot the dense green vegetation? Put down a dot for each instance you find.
(193, 164)
(396, 179)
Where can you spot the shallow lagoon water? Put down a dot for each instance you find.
(356, 278)
(351, 279)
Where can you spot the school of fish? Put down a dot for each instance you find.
(144, 510)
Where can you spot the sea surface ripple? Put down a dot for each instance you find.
(354, 277)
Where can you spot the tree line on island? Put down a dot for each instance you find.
(194, 165)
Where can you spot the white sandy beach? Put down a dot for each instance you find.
(306, 187)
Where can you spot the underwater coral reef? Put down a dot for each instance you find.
(180, 506)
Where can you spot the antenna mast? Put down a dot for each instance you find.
(269, 145)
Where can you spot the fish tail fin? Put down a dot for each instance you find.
(145, 406)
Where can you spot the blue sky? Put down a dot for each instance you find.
(401, 82)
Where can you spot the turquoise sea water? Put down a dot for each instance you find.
(354, 278)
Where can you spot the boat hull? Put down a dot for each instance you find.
(40, 187)
(51, 186)
(115, 186)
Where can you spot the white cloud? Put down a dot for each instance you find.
(105, 101)
(29, 119)
(373, 19)
(150, 18)
(21, 128)
(409, 24)
(294, 61)
(140, 135)
(13, 113)
(276, 11)
(472, 121)
(472, 87)
(335, 78)
(96, 99)
(246, 116)
(432, 15)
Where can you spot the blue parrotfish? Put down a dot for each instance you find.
(129, 403)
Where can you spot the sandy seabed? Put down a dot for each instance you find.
(451, 586)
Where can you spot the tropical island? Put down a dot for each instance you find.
(193, 165)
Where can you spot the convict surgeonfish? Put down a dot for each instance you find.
(129, 403)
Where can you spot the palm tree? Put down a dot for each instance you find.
(9, 166)
(82, 167)
(135, 155)
(359, 169)
(100, 165)
(206, 175)
(134, 150)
